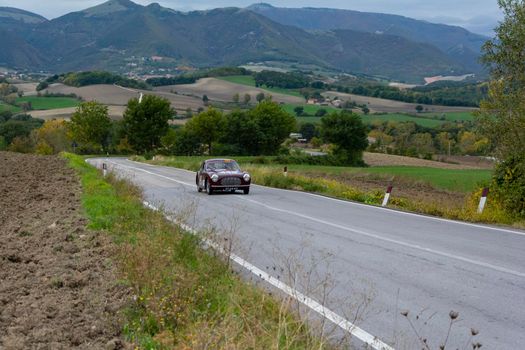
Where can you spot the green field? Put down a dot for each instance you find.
(464, 180)
(6, 107)
(46, 103)
(239, 79)
(248, 80)
(371, 118)
(399, 117)
(453, 116)
(308, 109)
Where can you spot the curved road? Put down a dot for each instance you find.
(378, 261)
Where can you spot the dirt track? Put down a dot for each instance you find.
(57, 281)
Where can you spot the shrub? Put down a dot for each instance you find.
(509, 185)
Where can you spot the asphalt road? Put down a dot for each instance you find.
(378, 261)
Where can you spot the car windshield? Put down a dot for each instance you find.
(229, 165)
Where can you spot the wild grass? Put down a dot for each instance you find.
(184, 297)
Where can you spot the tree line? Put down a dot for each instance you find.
(79, 79)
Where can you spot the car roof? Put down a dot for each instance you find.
(219, 159)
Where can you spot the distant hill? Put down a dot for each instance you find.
(16, 53)
(462, 46)
(104, 37)
(15, 14)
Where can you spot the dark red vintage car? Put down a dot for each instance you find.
(223, 175)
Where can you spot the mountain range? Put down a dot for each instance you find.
(104, 36)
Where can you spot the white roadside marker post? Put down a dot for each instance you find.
(285, 171)
(387, 196)
(483, 200)
(104, 169)
(141, 97)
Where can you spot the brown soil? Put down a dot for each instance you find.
(390, 106)
(221, 90)
(414, 191)
(113, 95)
(58, 286)
(381, 159)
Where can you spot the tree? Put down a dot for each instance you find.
(308, 130)
(321, 112)
(502, 115)
(90, 125)
(445, 142)
(247, 98)
(236, 98)
(208, 127)
(145, 123)
(275, 125)
(205, 99)
(299, 111)
(242, 133)
(365, 110)
(3, 144)
(419, 108)
(14, 128)
(260, 97)
(423, 143)
(53, 136)
(189, 113)
(346, 131)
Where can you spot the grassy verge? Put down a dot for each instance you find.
(47, 103)
(185, 298)
(319, 179)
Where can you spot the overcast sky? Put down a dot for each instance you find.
(479, 16)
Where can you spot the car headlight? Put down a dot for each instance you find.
(246, 177)
(215, 178)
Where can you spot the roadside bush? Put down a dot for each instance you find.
(509, 185)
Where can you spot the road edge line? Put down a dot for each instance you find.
(323, 311)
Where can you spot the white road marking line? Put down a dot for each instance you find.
(360, 232)
(155, 174)
(403, 212)
(390, 240)
(340, 321)
(389, 210)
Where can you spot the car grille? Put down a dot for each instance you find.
(231, 181)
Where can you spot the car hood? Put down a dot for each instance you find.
(229, 173)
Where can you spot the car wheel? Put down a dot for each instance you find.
(246, 190)
(209, 190)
